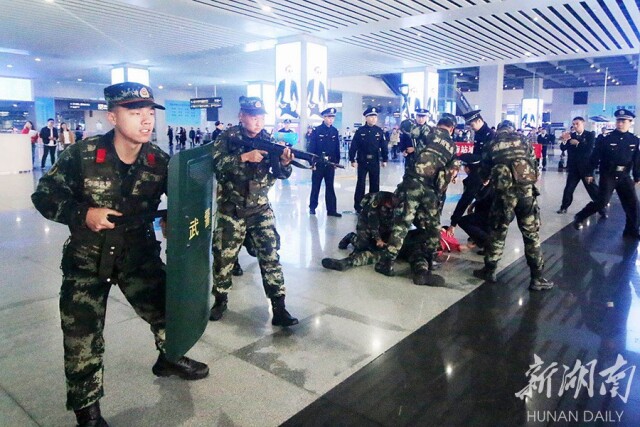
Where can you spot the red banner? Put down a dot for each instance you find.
(467, 147)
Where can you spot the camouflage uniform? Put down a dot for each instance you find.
(421, 189)
(88, 175)
(243, 209)
(510, 164)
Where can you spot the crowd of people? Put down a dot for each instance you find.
(122, 174)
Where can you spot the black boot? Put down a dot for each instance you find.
(346, 240)
(237, 270)
(281, 316)
(90, 416)
(422, 275)
(385, 266)
(335, 264)
(219, 307)
(486, 273)
(540, 284)
(185, 368)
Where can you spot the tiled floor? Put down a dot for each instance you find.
(449, 352)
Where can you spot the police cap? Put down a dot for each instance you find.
(469, 159)
(130, 95)
(421, 111)
(252, 105)
(329, 112)
(287, 121)
(371, 111)
(471, 116)
(624, 114)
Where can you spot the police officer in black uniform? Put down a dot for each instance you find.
(617, 155)
(325, 142)
(483, 134)
(369, 147)
(579, 147)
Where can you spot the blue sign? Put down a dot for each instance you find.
(45, 110)
(180, 113)
(596, 109)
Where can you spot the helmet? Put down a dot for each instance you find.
(507, 125)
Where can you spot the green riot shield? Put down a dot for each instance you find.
(189, 222)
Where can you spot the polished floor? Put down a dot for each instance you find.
(369, 350)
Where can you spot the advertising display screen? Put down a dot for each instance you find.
(287, 81)
(316, 80)
(531, 116)
(414, 98)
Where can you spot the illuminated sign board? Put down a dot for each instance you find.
(215, 102)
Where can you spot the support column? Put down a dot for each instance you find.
(351, 111)
(490, 92)
(637, 99)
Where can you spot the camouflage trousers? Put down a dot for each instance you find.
(228, 236)
(83, 304)
(420, 205)
(522, 205)
(413, 250)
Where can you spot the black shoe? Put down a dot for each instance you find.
(281, 316)
(480, 252)
(346, 240)
(384, 266)
(334, 264)
(423, 277)
(336, 214)
(90, 416)
(237, 270)
(219, 307)
(312, 211)
(185, 368)
(544, 169)
(578, 225)
(540, 284)
(561, 211)
(486, 274)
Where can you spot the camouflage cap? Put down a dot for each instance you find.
(252, 105)
(450, 116)
(130, 95)
(506, 125)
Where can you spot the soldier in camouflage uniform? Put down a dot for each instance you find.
(508, 161)
(244, 179)
(421, 189)
(119, 174)
(372, 233)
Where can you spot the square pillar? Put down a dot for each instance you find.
(490, 92)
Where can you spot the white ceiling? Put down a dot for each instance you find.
(203, 41)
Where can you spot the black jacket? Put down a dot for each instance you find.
(578, 156)
(617, 149)
(368, 145)
(325, 139)
(482, 138)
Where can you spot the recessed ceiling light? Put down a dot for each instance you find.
(535, 18)
(527, 54)
(598, 70)
(79, 80)
(37, 59)
(49, 1)
(461, 74)
(189, 84)
(160, 87)
(592, 66)
(577, 49)
(9, 66)
(266, 8)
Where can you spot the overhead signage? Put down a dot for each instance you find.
(215, 102)
(87, 106)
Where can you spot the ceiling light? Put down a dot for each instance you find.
(49, 1)
(37, 59)
(577, 49)
(442, 61)
(160, 87)
(461, 74)
(189, 84)
(592, 66)
(79, 80)
(535, 18)
(598, 70)
(266, 8)
(476, 77)
(527, 54)
(9, 66)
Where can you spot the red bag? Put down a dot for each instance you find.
(448, 243)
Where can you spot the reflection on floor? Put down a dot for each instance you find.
(368, 350)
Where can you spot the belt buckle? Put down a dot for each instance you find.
(620, 168)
